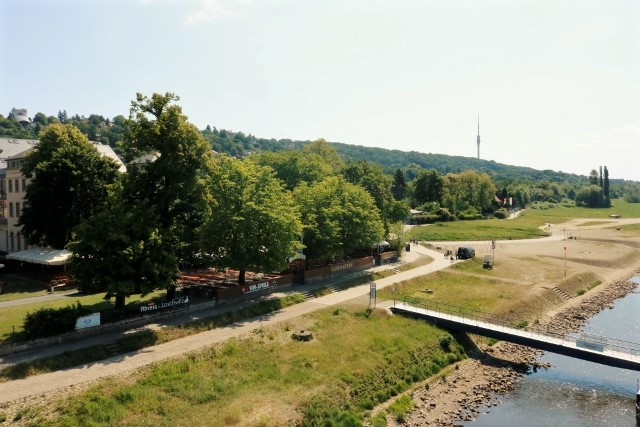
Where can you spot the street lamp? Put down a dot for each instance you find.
(565, 261)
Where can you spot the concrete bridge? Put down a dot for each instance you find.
(593, 348)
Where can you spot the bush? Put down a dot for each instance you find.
(48, 322)
(445, 341)
(400, 408)
(501, 213)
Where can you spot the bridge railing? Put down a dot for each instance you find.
(580, 339)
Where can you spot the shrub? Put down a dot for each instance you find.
(520, 324)
(501, 213)
(48, 322)
(445, 341)
(400, 408)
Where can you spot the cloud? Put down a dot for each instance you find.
(209, 10)
(627, 128)
(589, 32)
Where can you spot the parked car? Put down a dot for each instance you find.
(465, 253)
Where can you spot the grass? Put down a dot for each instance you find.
(18, 288)
(356, 361)
(524, 226)
(144, 339)
(476, 293)
(13, 317)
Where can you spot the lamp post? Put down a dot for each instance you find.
(565, 261)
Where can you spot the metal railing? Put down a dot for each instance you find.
(579, 339)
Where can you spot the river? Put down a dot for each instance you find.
(574, 392)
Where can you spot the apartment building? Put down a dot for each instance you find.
(13, 188)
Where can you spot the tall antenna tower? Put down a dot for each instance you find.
(478, 138)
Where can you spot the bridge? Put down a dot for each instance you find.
(593, 348)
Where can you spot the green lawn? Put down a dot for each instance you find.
(17, 288)
(526, 226)
(355, 361)
(12, 318)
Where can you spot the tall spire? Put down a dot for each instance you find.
(478, 139)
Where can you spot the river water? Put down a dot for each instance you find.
(574, 392)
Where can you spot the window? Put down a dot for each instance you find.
(24, 187)
(12, 244)
(10, 209)
(10, 186)
(17, 187)
(17, 209)
(19, 238)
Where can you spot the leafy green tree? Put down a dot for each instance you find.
(331, 157)
(399, 186)
(339, 218)
(120, 251)
(372, 178)
(295, 167)
(590, 196)
(172, 184)
(429, 187)
(593, 177)
(253, 222)
(606, 188)
(68, 182)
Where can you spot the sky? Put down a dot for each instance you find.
(556, 83)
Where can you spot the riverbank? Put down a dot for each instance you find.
(478, 383)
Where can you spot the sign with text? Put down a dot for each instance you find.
(165, 304)
(255, 287)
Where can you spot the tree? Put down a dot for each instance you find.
(68, 182)
(429, 187)
(322, 148)
(593, 177)
(339, 218)
(590, 196)
(253, 221)
(172, 184)
(295, 167)
(120, 251)
(372, 178)
(62, 116)
(399, 186)
(606, 188)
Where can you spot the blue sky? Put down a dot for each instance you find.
(556, 83)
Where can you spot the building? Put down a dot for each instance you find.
(21, 116)
(13, 185)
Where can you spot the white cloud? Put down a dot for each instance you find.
(627, 128)
(208, 11)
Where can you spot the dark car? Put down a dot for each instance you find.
(465, 253)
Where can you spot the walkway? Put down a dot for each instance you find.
(49, 383)
(603, 350)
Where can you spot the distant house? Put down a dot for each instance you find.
(13, 185)
(21, 116)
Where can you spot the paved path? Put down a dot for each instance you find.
(49, 383)
(41, 298)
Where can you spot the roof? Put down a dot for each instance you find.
(9, 147)
(107, 151)
(46, 256)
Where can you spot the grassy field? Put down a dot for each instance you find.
(355, 361)
(525, 226)
(17, 288)
(12, 318)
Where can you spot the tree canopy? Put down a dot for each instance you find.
(253, 222)
(68, 182)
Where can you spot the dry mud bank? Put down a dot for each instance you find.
(490, 372)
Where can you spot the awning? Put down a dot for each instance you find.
(46, 256)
